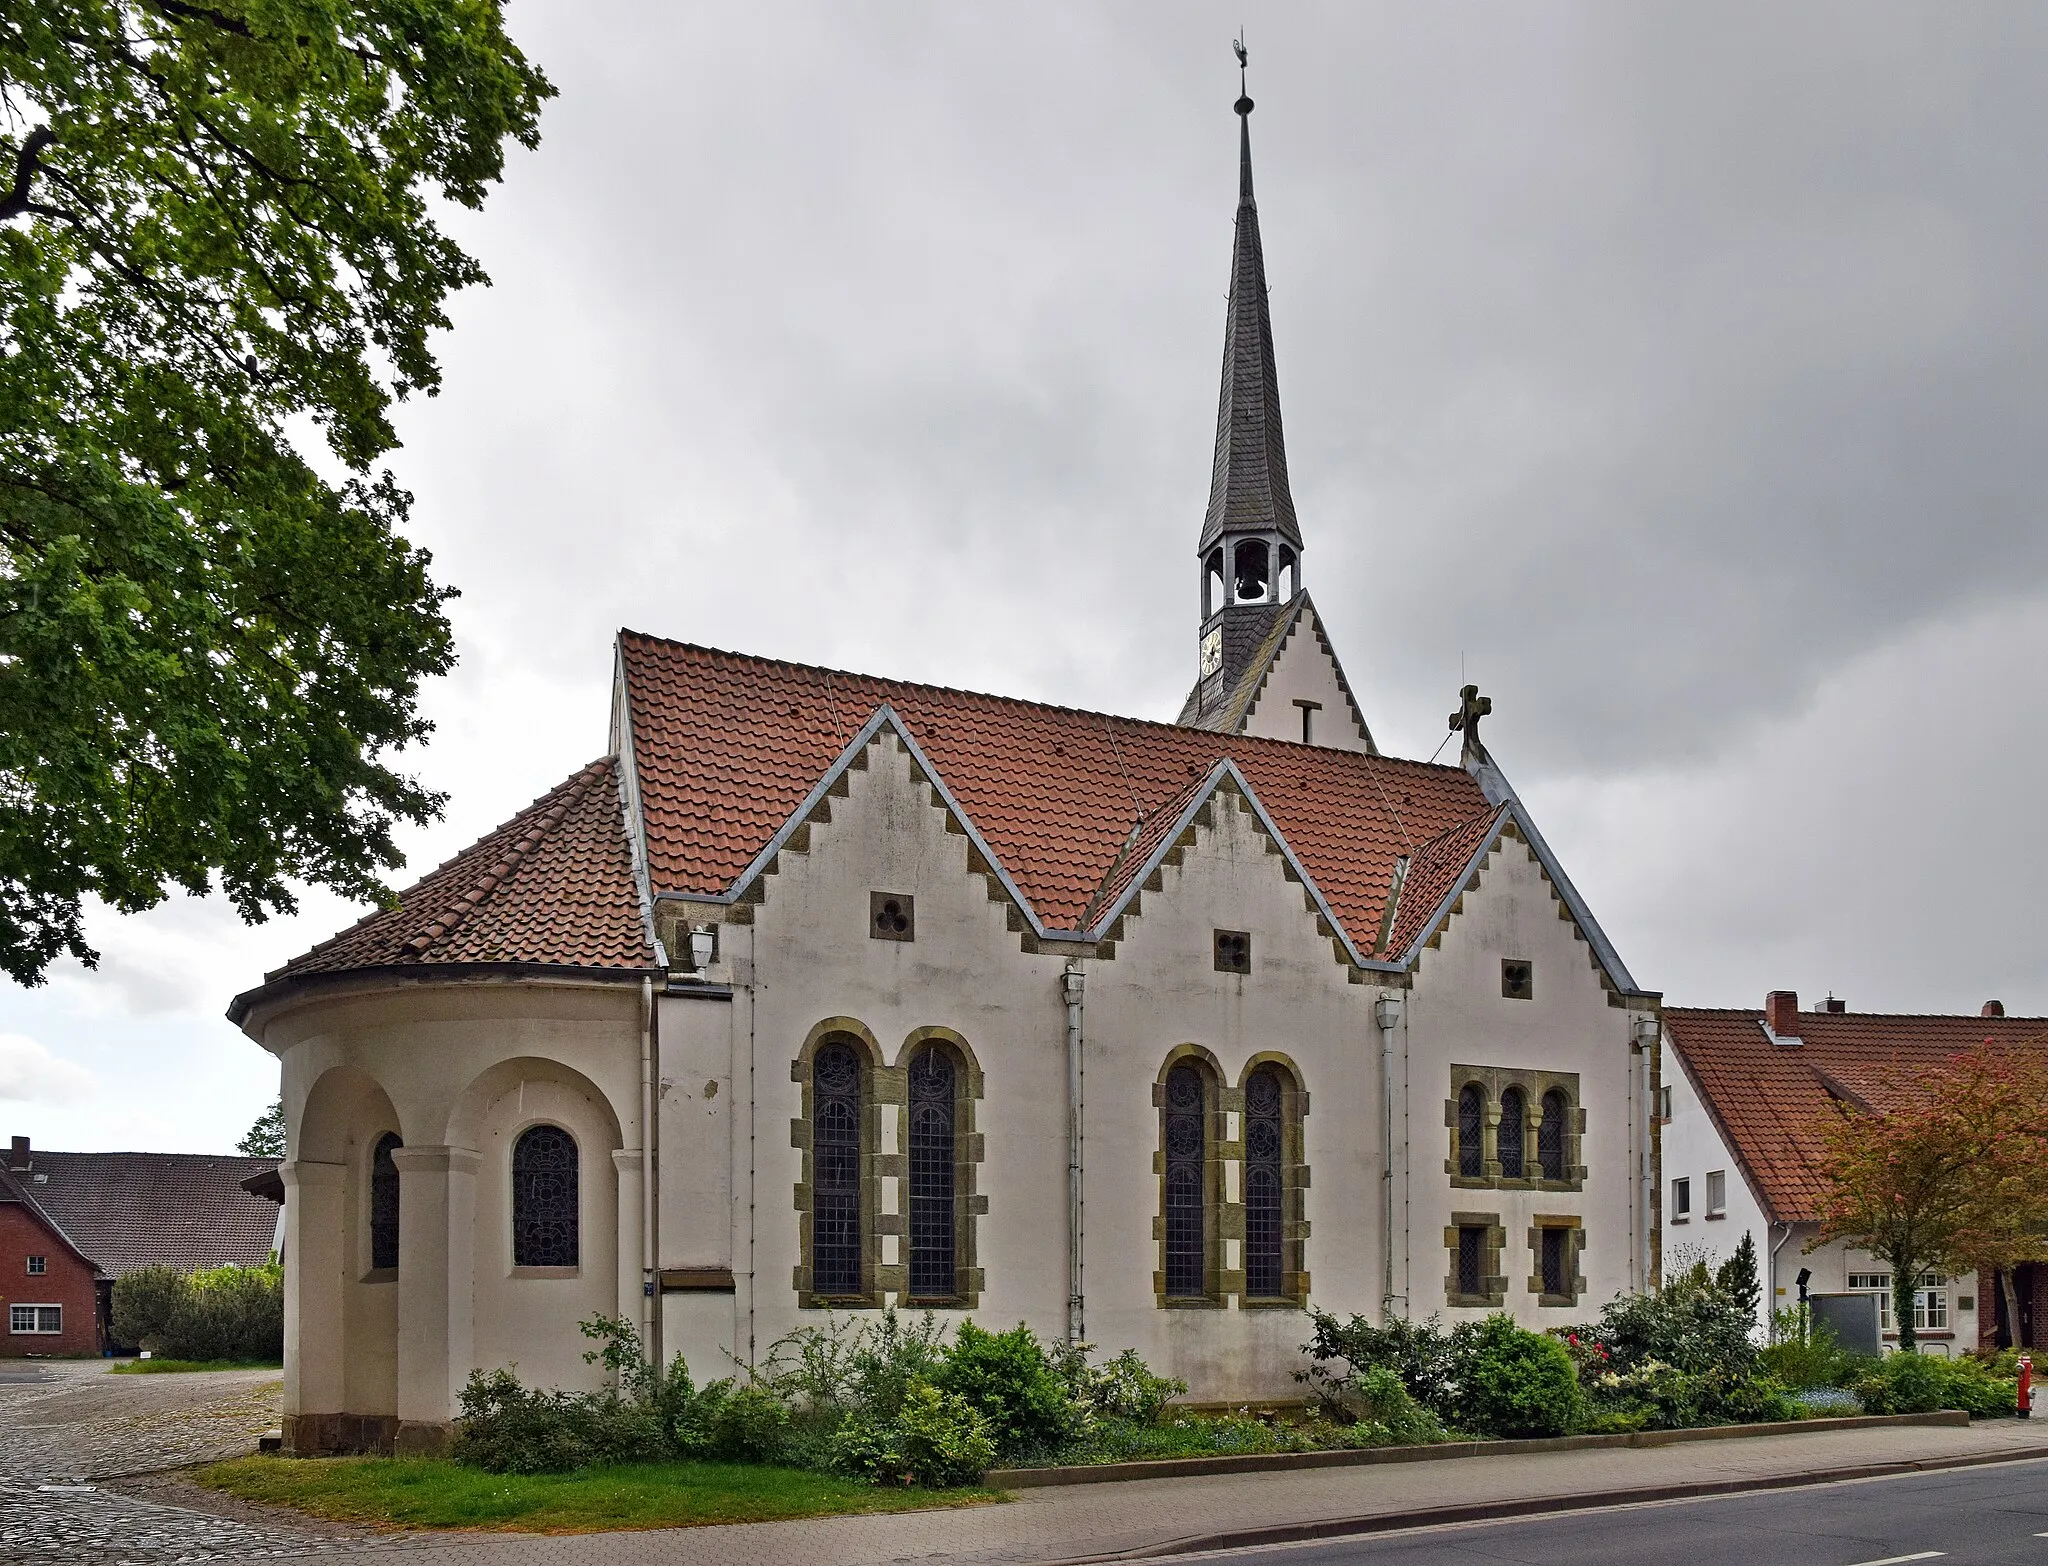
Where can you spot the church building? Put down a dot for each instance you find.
(823, 992)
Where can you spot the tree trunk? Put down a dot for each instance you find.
(2010, 1289)
(1903, 1280)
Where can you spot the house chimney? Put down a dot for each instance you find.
(17, 1155)
(1993, 1009)
(1833, 1007)
(1781, 1016)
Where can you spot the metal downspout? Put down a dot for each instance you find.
(1771, 1288)
(650, 1291)
(1387, 1013)
(1646, 1190)
(1072, 982)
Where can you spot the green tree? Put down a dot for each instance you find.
(217, 219)
(266, 1136)
(1738, 1279)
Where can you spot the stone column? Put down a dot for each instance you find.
(313, 1258)
(436, 1290)
(633, 1304)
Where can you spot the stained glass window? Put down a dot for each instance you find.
(1471, 1279)
(384, 1202)
(1513, 1122)
(546, 1221)
(1187, 1149)
(1471, 1132)
(1556, 1261)
(931, 1175)
(1550, 1135)
(1264, 1184)
(835, 1170)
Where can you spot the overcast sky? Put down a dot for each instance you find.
(1676, 372)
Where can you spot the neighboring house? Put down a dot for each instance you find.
(49, 1289)
(1744, 1091)
(122, 1211)
(828, 992)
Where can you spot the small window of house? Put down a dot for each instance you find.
(1514, 1122)
(38, 1265)
(1517, 979)
(1681, 1200)
(1233, 951)
(1717, 1193)
(39, 1320)
(1556, 1261)
(1471, 1132)
(1664, 1104)
(1471, 1259)
(892, 916)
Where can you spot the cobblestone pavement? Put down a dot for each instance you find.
(67, 1427)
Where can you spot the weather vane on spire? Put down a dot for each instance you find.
(1244, 101)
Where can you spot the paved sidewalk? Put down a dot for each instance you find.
(1085, 1522)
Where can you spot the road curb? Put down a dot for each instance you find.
(1441, 1452)
(1538, 1506)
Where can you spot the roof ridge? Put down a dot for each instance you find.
(1861, 1016)
(1277, 745)
(558, 800)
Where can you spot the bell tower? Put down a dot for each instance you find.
(1250, 548)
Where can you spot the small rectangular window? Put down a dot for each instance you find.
(1717, 1193)
(1664, 1104)
(1517, 979)
(1233, 951)
(1681, 1200)
(1471, 1250)
(40, 1319)
(892, 916)
(1556, 1260)
(38, 1265)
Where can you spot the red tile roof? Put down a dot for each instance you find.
(1766, 1098)
(128, 1210)
(1434, 871)
(726, 747)
(553, 885)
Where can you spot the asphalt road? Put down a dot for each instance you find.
(1995, 1513)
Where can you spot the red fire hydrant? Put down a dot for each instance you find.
(2024, 1400)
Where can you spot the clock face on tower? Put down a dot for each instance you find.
(1212, 651)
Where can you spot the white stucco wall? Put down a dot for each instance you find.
(1304, 671)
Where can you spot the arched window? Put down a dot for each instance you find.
(384, 1202)
(1550, 1137)
(546, 1218)
(1212, 583)
(1187, 1174)
(1514, 1118)
(835, 1170)
(1472, 1132)
(1252, 567)
(932, 1237)
(1264, 1185)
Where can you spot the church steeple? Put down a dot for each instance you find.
(1250, 548)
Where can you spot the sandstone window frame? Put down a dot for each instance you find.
(1493, 1284)
(1222, 1220)
(885, 1169)
(1572, 1226)
(1493, 1083)
(1294, 1184)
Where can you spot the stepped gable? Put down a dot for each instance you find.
(1435, 870)
(554, 885)
(1766, 1097)
(725, 748)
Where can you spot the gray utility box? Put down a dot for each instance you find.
(1851, 1317)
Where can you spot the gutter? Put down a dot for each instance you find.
(1387, 1014)
(650, 1290)
(1073, 982)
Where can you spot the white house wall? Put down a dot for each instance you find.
(1304, 671)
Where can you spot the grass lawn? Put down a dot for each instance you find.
(173, 1367)
(409, 1492)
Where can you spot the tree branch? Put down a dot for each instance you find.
(27, 162)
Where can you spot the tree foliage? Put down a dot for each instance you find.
(1946, 1167)
(266, 1137)
(216, 221)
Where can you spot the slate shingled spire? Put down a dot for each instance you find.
(1248, 485)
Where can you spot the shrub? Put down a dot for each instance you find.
(1518, 1383)
(1422, 1354)
(1125, 1388)
(1387, 1413)
(508, 1428)
(1806, 1354)
(1691, 1324)
(742, 1424)
(225, 1313)
(944, 1440)
(1908, 1383)
(1006, 1377)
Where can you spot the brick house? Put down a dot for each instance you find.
(49, 1289)
(72, 1224)
(1744, 1088)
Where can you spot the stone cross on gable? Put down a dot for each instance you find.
(1471, 708)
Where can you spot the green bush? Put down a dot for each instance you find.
(1006, 1377)
(225, 1313)
(1518, 1383)
(1806, 1354)
(937, 1440)
(1125, 1388)
(1387, 1413)
(1920, 1383)
(1421, 1353)
(742, 1424)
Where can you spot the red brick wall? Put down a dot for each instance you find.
(67, 1282)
